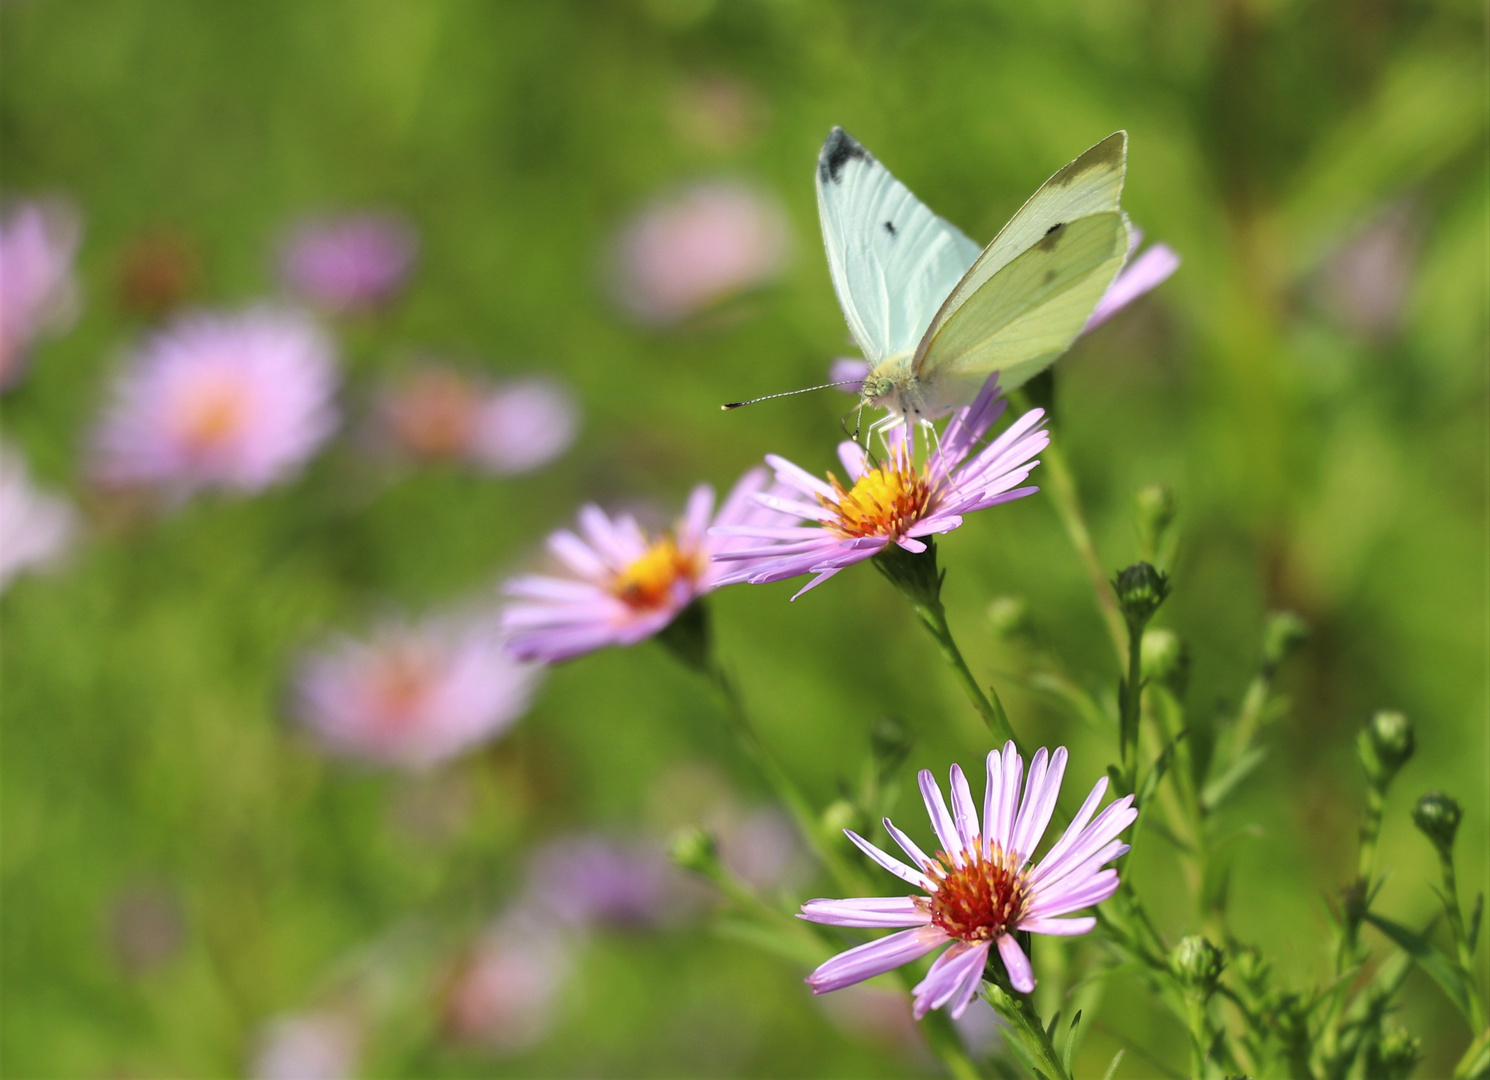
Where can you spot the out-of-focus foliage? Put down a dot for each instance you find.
(1328, 458)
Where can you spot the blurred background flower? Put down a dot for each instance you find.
(38, 293)
(414, 694)
(35, 528)
(307, 1046)
(698, 247)
(504, 993)
(348, 264)
(233, 401)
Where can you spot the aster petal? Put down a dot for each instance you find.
(941, 819)
(915, 547)
(1113, 820)
(890, 862)
(943, 523)
(876, 912)
(1092, 891)
(1034, 787)
(768, 532)
(909, 846)
(1057, 927)
(949, 977)
(1140, 276)
(576, 554)
(696, 515)
(1051, 889)
(1075, 828)
(798, 477)
(875, 958)
(991, 795)
(815, 582)
(1013, 774)
(738, 506)
(792, 507)
(964, 812)
(1017, 964)
(542, 587)
(1032, 824)
(851, 454)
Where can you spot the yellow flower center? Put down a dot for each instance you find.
(213, 414)
(885, 501)
(648, 582)
(981, 899)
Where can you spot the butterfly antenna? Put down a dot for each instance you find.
(788, 393)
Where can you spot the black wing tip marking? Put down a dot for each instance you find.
(838, 150)
(1111, 150)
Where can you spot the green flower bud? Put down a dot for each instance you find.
(1010, 617)
(693, 849)
(1153, 512)
(1437, 816)
(840, 815)
(1283, 633)
(1395, 1056)
(1385, 744)
(1140, 590)
(890, 743)
(1163, 658)
(1198, 964)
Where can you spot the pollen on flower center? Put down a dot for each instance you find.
(981, 899)
(648, 582)
(885, 500)
(212, 415)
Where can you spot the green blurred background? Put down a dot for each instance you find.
(1325, 462)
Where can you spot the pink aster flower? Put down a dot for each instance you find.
(35, 528)
(980, 889)
(37, 292)
(621, 584)
(508, 428)
(349, 264)
(889, 502)
(709, 242)
(414, 695)
(232, 401)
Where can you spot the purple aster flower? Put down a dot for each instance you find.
(592, 880)
(687, 252)
(37, 293)
(307, 1046)
(890, 502)
(232, 401)
(414, 695)
(979, 885)
(622, 585)
(349, 264)
(35, 529)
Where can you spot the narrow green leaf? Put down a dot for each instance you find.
(1215, 791)
(1439, 968)
(1161, 766)
(1070, 1043)
(1472, 934)
(1116, 1060)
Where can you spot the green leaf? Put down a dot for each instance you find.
(1070, 1043)
(1161, 766)
(1440, 969)
(1116, 1061)
(1216, 790)
(1472, 933)
(1050, 1027)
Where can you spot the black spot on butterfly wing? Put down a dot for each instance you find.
(1052, 237)
(890, 228)
(839, 149)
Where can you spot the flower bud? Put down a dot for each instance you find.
(1385, 744)
(1140, 590)
(693, 849)
(1010, 617)
(1437, 816)
(890, 743)
(1283, 633)
(1153, 511)
(1395, 1056)
(1197, 963)
(1163, 658)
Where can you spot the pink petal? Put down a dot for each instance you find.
(877, 911)
(875, 958)
(1017, 964)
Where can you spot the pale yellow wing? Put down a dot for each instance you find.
(1028, 313)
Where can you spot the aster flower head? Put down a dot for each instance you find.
(35, 528)
(980, 889)
(414, 695)
(504, 992)
(592, 880)
(689, 251)
(230, 401)
(37, 292)
(349, 264)
(892, 501)
(620, 584)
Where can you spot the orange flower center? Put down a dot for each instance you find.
(885, 501)
(981, 899)
(434, 413)
(213, 414)
(400, 686)
(649, 581)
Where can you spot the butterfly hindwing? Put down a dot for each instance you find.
(892, 260)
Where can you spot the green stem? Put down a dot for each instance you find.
(1456, 925)
(934, 617)
(1475, 1064)
(1131, 700)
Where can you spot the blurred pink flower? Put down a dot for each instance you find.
(38, 294)
(414, 695)
(980, 889)
(592, 880)
(892, 502)
(707, 243)
(1364, 282)
(621, 585)
(508, 428)
(761, 847)
(1139, 276)
(348, 264)
(233, 401)
(35, 529)
(307, 1046)
(504, 992)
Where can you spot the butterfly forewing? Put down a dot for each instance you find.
(1028, 313)
(892, 260)
(1092, 184)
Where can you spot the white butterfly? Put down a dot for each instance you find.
(933, 316)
